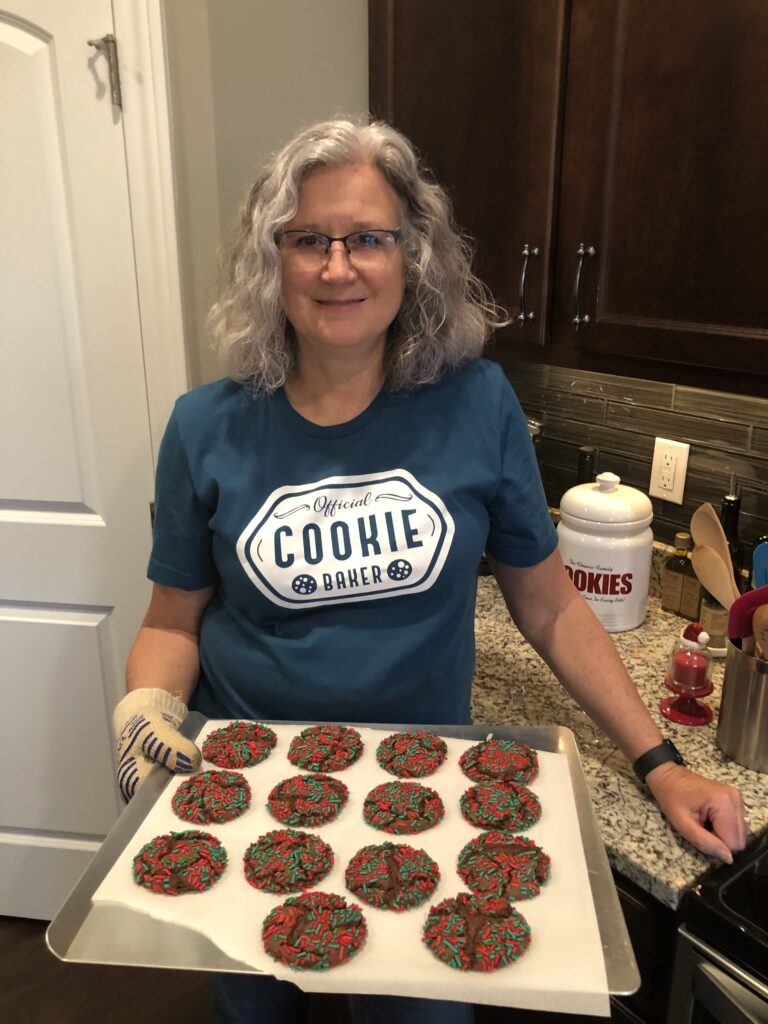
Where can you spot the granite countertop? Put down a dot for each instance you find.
(513, 686)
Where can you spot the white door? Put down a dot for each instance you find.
(75, 463)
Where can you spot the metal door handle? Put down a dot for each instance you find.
(725, 999)
(527, 252)
(581, 252)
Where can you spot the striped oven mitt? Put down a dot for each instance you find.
(146, 724)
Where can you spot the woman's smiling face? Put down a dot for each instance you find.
(337, 305)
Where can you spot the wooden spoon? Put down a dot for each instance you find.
(715, 575)
(760, 631)
(707, 531)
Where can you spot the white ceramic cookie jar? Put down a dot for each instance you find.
(606, 543)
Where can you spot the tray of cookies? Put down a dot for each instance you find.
(453, 862)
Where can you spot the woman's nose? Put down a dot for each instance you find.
(338, 264)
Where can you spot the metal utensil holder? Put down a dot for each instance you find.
(742, 726)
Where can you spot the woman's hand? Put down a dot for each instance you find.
(708, 814)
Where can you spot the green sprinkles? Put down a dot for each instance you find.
(411, 754)
(403, 808)
(287, 861)
(325, 748)
(307, 800)
(502, 864)
(239, 745)
(314, 932)
(500, 805)
(392, 876)
(212, 797)
(476, 933)
(180, 862)
(500, 761)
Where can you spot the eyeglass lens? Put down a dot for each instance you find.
(369, 246)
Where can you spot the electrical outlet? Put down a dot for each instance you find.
(670, 462)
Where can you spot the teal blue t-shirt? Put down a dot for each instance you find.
(345, 558)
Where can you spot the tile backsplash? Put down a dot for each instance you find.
(621, 417)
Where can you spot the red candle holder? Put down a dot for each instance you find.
(688, 676)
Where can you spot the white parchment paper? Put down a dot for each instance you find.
(562, 970)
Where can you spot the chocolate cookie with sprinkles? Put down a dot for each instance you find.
(500, 805)
(314, 932)
(307, 800)
(403, 808)
(503, 864)
(239, 745)
(287, 861)
(476, 933)
(392, 876)
(500, 761)
(212, 797)
(411, 754)
(180, 862)
(325, 748)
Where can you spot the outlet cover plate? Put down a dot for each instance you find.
(670, 464)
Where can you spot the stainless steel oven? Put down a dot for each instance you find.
(721, 964)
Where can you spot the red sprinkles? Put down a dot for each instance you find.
(392, 876)
(403, 808)
(314, 932)
(503, 864)
(239, 745)
(500, 805)
(179, 862)
(325, 748)
(500, 761)
(476, 933)
(307, 800)
(287, 861)
(212, 797)
(411, 754)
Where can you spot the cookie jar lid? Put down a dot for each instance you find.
(607, 500)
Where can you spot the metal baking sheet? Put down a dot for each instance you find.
(85, 932)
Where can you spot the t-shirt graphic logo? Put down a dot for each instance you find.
(346, 538)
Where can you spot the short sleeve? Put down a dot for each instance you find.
(181, 543)
(521, 532)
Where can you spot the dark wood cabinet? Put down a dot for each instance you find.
(476, 86)
(636, 128)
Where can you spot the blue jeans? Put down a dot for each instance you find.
(262, 999)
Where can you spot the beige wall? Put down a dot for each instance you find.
(244, 76)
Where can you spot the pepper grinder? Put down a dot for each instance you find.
(689, 670)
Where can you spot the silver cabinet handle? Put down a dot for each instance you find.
(527, 252)
(581, 252)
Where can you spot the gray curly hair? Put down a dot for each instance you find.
(446, 314)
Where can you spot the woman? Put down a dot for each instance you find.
(321, 514)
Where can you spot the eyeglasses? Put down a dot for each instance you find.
(310, 249)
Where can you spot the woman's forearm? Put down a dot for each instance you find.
(166, 659)
(165, 652)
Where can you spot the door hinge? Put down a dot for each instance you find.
(108, 46)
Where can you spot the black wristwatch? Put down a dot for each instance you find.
(666, 751)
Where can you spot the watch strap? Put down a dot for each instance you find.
(665, 751)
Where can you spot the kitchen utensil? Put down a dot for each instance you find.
(760, 630)
(715, 575)
(760, 563)
(741, 611)
(707, 530)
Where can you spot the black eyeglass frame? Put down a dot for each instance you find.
(396, 233)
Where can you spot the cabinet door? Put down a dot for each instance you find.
(665, 148)
(475, 85)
